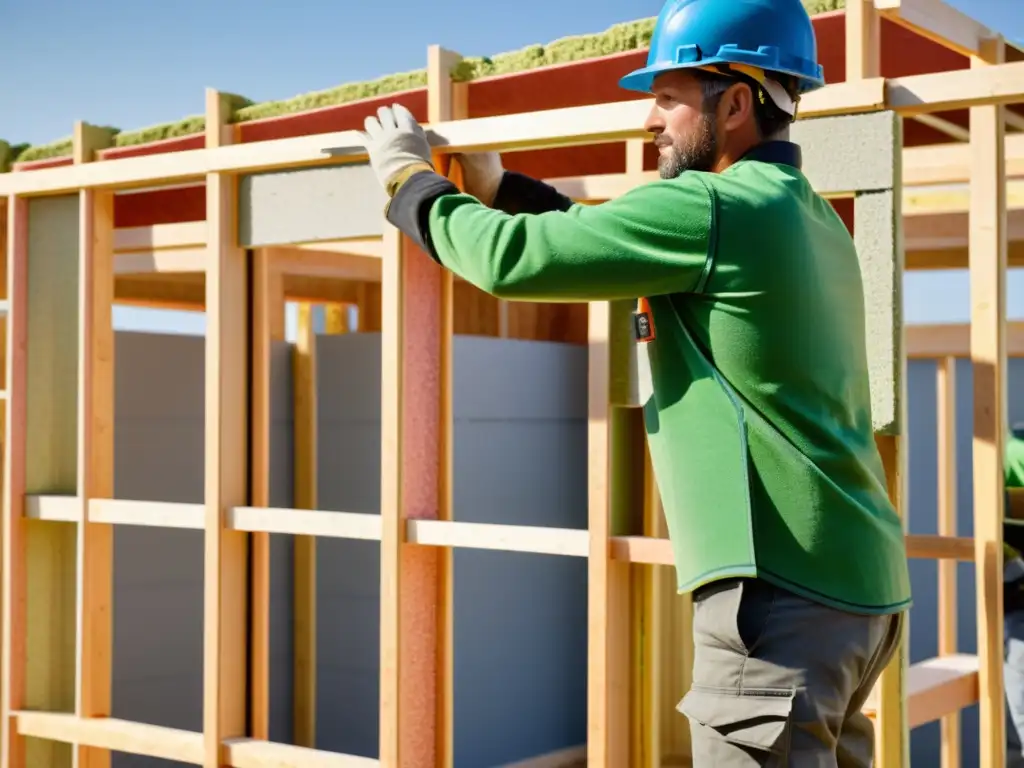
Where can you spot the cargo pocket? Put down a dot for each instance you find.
(755, 718)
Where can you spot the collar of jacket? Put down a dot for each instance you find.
(778, 152)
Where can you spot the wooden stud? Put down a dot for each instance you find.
(304, 390)
(15, 592)
(417, 687)
(947, 471)
(268, 327)
(95, 550)
(87, 140)
(410, 489)
(611, 451)
(988, 247)
(336, 319)
(892, 742)
(445, 102)
(863, 41)
(50, 401)
(95, 465)
(646, 614)
(225, 639)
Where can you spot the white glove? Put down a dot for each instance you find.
(395, 142)
(482, 173)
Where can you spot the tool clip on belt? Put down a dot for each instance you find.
(643, 322)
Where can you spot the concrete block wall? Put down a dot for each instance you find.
(520, 619)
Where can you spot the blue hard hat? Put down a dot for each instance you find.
(772, 35)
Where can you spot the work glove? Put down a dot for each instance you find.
(481, 174)
(396, 144)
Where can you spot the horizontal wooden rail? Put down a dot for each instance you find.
(931, 547)
(306, 522)
(937, 21)
(573, 126)
(937, 687)
(251, 753)
(114, 734)
(503, 538)
(176, 744)
(568, 542)
(159, 237)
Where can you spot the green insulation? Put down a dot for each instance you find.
(627, 36)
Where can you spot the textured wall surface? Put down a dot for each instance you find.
(280, 207)
(849, 153)
(859, 155)
(876, 221)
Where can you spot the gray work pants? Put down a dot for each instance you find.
(1013, 682)
(779, 680)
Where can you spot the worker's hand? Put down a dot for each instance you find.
(482, 173)
(396, 144)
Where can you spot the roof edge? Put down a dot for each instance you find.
(616, 39)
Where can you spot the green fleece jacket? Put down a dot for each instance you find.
(759, 412)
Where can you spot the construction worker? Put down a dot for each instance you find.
(1013, 603)
(751, 319)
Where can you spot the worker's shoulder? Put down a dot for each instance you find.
(762, 183)
(747, 189)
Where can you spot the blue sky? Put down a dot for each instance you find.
(130, 64)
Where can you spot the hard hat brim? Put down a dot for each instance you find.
(642, 80)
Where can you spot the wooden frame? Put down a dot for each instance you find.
(58, 501)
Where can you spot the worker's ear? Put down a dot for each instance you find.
(737, 106)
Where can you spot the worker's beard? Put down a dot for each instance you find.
(696, 152)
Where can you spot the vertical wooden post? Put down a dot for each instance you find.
(445, 101)
(987, 260)
(863, 60)
(946, 444)
(305, 481)
(95, 555)
(647, 664)
(225, 649)
(608, 604)
(3, 348)
(268, 326)
(863, 40)
(336, 318)
(42, 459)
(95, 464)
(416, 586)
(892, 742)
(410, 489)
(12, 744)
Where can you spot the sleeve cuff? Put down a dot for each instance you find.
(519, 193)
(409, 209)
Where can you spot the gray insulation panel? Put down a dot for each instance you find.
(52, 362)
(297, 206)
(520, 457)
(876, 230)
(850, 153)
